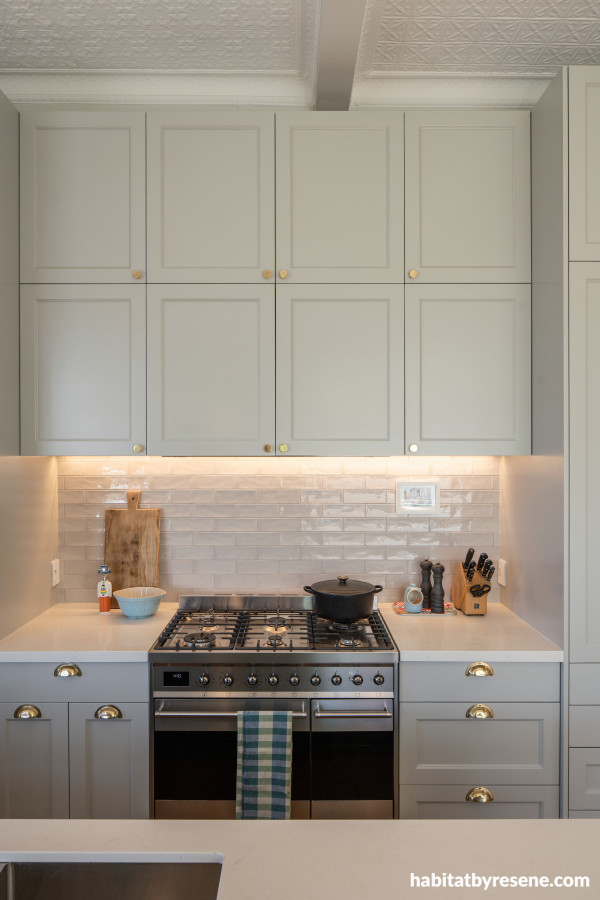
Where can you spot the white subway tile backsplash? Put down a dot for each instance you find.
(275, 524)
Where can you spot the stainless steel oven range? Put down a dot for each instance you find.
(221, 654)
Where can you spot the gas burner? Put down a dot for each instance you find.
(276, 620)
(349, 643)
(346, 627)
(275, 640)
(275, 629)
(200, 639)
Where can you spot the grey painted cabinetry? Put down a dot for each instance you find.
(479, 745)
(75, 745)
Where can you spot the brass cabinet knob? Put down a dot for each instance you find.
(67, 670)
(413, 273)
(480, 795)
(267, 273)
(137, 274)
(479, 669)
(138, 448)
(27, 711)
(413, 448)
(283, 273)
(283, 448)
(268, 448)
(479, 711)
(108, 712)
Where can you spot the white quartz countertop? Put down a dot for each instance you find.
(360, 860)
(500, 635)
(86, 635)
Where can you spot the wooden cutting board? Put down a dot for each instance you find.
(131, 542)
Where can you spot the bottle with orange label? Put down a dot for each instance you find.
(104, 590)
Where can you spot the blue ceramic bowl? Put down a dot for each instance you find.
(139, 602)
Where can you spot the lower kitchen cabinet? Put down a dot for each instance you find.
(584, 740)
(72, 758)
(479, 740)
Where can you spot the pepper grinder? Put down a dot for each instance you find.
(426, 565)
(437, 593)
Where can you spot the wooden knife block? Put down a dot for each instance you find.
(462, 597)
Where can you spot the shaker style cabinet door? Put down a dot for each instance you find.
(340, 182)
(211, 370)
(584, 172)
(83, 369)
(109, 753)
(584, 472)
(340, 379)
(34, 761)
(468, 369)
(211, 202)
(83, 189)
(468, 196)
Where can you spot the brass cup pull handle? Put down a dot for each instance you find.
(480, 795)
(479, 711)
(67, 670)
(27, 711)
(137, 274)
(413, 273)
(283, 273)
(108, 712)
(479, 669)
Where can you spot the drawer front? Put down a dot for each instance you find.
(440, 745)
(104, 682)
(584, 779)
(448, 802)
(511, 682)
(584, 683)
(584, 726)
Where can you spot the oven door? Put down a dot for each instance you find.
(352, 759)
(195, 756)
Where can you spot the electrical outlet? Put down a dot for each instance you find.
(54, 572)
(502, 572)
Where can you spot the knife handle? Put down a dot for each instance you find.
(468, 558)
(481, 560)
(486, 566)
(490, 572)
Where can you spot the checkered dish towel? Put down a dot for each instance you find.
(264, 757)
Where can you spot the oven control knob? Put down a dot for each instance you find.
(252, 679)
(378, 679)
(294, 680)
(357, 679)
(227, 680)
(204, 679)
(273, 679)
(336, 679)
(314, 679)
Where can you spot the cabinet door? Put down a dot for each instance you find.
(468, 379)
(468, 196)
(340, 370)
(584, 473)
(442, 801)
(211, 372)
(584, 172)
(83, 216)
(211, 204)
(34, 763)
(83, 369)
(109, 761)
(340, 197)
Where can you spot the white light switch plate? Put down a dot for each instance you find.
(502, 572)
(54, 572)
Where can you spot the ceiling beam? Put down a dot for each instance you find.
(339, 38)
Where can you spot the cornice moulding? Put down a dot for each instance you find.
(452, 89)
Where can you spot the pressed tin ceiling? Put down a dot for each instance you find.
(265, 51)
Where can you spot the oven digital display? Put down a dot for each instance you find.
(176, 679)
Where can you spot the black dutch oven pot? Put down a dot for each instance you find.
(343, 600)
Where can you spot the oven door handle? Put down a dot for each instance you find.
(174, 714)
(352, 713)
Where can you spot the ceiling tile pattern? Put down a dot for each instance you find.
(508, 36)
(209, 35)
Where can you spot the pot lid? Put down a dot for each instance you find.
(343, 586)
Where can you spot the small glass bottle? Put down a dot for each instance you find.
(104, 590)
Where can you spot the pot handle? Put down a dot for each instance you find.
(309, 590)
(377, 588)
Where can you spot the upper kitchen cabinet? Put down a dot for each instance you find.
(468, 369)
(211, 204)
(584, 172)
(340, 197)
(9, 278)
(340, 370)
(83, 217)
(468, 196)
(83, 369)
(211, 377)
